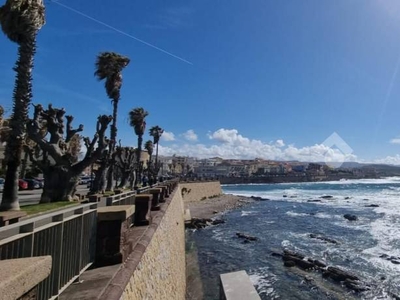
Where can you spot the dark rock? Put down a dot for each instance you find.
(394, 296)
(289, 263)
(292, 253)
(196, 223)
(308, 279)
(347, 198)
(275, 254)
(366, 199)
(372, 205)
(217, 221)
(246, 237)
(284, 196)
(246, 241)
(322, 238)
(350, 217)
(327, 197)
(354, 285)
(297, 259)
(316, 200)
(303, 264)
(338, 274)
(317, 263)
(393, 259)
(312, 214)
(256, 198)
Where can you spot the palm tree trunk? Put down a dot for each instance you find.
(21, 98)
(113, 136)
(139, 167)
(156, 154)
(24, 164)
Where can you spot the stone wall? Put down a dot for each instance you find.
(196, 191)
(160, 274)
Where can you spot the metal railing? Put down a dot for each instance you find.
(121, 199)
(68, 235)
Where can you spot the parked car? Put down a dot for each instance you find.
(22, 184)
(32, 183)
(1, 184)
(84, 180)
(89, 183)
(40, 181)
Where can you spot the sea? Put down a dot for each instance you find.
(368, 247)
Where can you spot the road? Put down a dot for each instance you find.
(29, 197)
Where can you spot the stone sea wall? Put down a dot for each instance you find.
(160, 274)
(196, 191)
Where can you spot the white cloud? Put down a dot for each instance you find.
(388, 160)
(168, 136)
(231, 144)
(395, 141)
(279, 143)
(190, 135)
(228, 136)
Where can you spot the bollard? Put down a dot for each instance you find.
(142, 209)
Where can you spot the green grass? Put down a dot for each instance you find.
(40, 208)
(108, 193)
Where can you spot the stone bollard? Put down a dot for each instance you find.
(80, 196)
(95, 198)
(155, 203)
(20, 277)
(112, 239)
(118, 191)
(11, 217)
(142, 209)
(164, 192)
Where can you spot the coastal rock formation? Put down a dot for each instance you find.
(291, 261)
(327, 197)
(247, 238)
(322, 238)
(256, 198)
(196, 223)
(372, 205)
(393, 259)
(350, 217)
(314, 200)
(338, 274)
(294, 259)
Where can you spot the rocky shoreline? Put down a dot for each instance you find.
(317, 274)
(209, 208)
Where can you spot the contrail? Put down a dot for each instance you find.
(121, 32)
(388, 94)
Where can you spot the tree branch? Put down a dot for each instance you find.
(71, 132)
(102, 143)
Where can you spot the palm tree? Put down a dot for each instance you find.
(137, 118)
(150, 167)
(109, 66)
(149, 147)
(20, 21)
(156, 132)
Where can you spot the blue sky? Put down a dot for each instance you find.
(271, 79)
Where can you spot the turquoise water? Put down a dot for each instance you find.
(287, 219)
